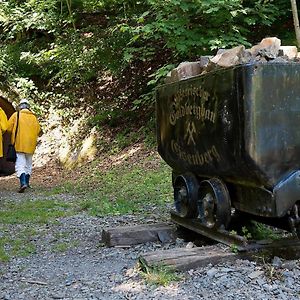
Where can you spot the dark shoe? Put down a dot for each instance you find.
(22, 189)
(23, 184)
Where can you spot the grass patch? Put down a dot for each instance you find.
(64, 246)
(27, 213)
(4, 257)
(122, 190)
(32, 211)
(158, 275)
(20, 245)
(260, 231)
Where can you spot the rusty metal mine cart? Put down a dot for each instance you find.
(232, 139)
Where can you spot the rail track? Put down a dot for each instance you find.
(289, 246)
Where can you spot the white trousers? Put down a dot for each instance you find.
(23, 163)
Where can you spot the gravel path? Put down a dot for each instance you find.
(89, 270)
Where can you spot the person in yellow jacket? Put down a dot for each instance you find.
(3, 127)
(26, 139)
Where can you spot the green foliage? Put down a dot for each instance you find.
(64, 246)
(123, 189)
(124, 139)
(261, 231)
(148, 133)
(38, 211)
(192, 28)
(149, 187)
(246, 234)
(17, 18)
(234, 248)
(20, 245)
(114, 117)
(63, 46)
(159, 274)
(160, 73)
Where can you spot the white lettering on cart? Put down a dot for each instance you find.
(196, 158)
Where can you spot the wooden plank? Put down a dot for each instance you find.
(184, 259)
(139, 234)
(286, 248)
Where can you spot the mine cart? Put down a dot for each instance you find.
(232, 139)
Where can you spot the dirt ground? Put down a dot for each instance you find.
(53, 173)
(44, 177)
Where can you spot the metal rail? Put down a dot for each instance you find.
(239, 243)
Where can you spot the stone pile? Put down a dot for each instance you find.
(268, 50)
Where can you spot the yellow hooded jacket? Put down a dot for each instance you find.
(28, 131)
(3, 127)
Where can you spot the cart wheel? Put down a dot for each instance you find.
(186, 195)
(214, 204)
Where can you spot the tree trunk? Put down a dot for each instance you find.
(296, 21)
